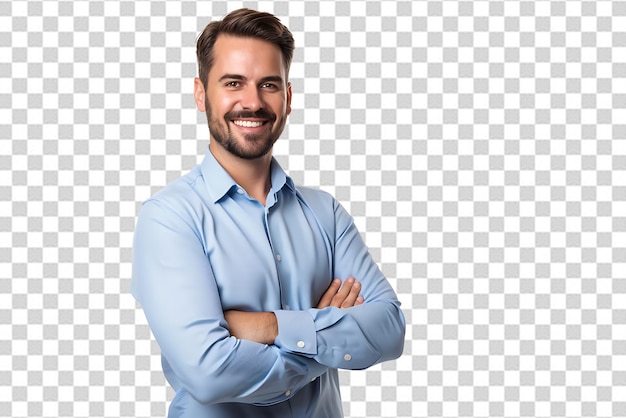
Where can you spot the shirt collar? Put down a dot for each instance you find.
(219, 182)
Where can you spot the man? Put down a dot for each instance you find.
(234, 266)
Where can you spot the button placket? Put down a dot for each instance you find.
(274, 250)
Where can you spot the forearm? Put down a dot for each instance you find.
(348, 338)
(260, 327)
(335, 334)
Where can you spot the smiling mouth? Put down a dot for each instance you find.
(248, 123)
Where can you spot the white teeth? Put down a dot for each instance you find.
(247, 123)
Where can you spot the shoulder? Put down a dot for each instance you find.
(315, 196)
(183, 197)
(320, 201)
(326, 207)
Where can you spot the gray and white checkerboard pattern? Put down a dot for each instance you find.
(480, 146)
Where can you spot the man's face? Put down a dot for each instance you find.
(247, 98)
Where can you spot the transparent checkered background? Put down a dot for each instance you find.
(480, 146)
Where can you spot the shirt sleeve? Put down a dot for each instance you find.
(173, 281)
(352, 338)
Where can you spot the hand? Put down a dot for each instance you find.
(260, 327)
(339, 296)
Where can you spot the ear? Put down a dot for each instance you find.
(289, 97)
(199, 94)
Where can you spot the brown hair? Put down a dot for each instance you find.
(244, 23)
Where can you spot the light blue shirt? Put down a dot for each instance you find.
(203, 246)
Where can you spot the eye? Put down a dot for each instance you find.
(232, 84)
(269, 86)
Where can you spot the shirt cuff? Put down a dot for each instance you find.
(296, 332)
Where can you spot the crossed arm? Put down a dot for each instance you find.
(262, 327)
(194, 333)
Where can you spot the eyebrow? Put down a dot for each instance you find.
(238, 77)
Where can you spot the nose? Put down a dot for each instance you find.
(251, 99)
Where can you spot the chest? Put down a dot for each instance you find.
(264, 259)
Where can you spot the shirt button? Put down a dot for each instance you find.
(278, 257)
(287, 307)
(240, 191)
(347, 357)
(288, 393)
(300, 344)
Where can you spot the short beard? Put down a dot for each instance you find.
(250, 147)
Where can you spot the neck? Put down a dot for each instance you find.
(252, 175)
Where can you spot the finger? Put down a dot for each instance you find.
(343, 293)
(352, 296)
(359, 301)
(328, 295)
